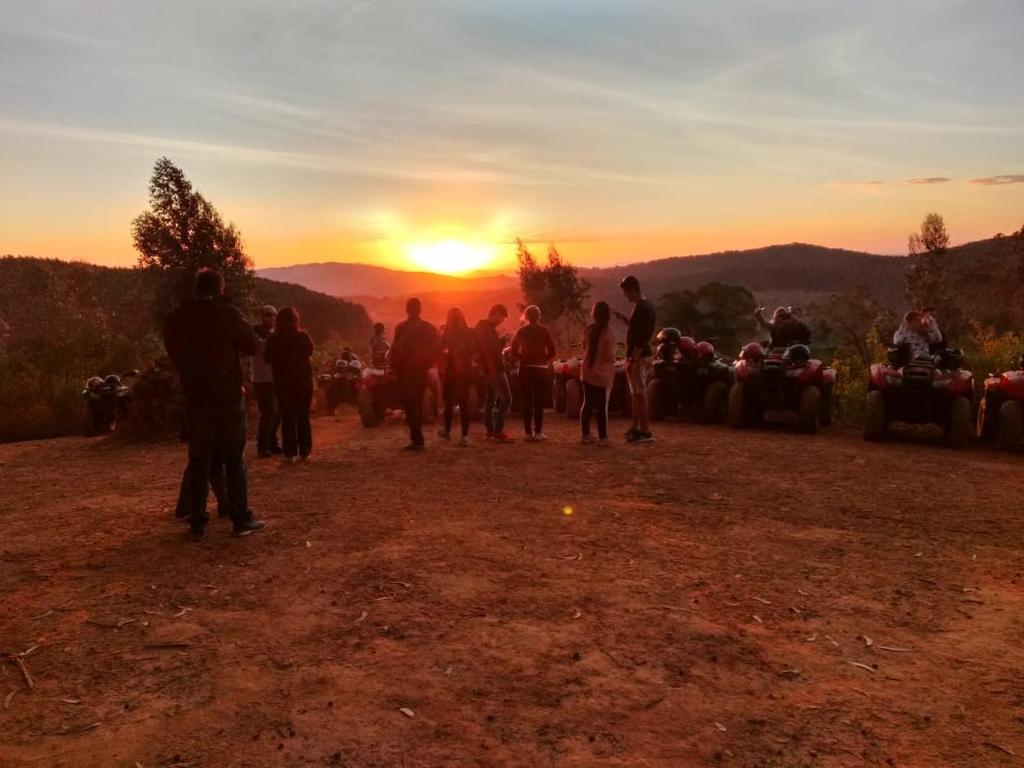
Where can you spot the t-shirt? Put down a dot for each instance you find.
(533, 346)
(641, 328)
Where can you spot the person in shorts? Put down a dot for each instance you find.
(638, 357)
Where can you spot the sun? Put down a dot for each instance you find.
(450, 256)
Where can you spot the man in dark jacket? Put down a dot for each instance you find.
(205, 337)
(498, 394)
(414, 352)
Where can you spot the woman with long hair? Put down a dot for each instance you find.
(459, 348)
(288, 350)
(534, 349)
(598, 373)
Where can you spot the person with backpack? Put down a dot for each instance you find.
(534, 349)
(598, 373)
(459, 349)
(414, 352)
(289, 351)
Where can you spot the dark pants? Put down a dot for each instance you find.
(595, 402)
(414, 387)
(216, 432)
(270, 416)
(497, 399)
(296, 431)
(217, 485)
(456, 392)
(533, 381)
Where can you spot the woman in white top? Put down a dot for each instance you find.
(919, 332)
(598, 373)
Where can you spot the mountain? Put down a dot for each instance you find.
(347, 279)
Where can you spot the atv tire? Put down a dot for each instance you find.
(573, 398)
(876, 424)
(958, 428)
(559, 394)
(808, 410)
(367, 408)
(736, 414)
(1010, 424)
(825, 408)
(656, 407)
(716, 398)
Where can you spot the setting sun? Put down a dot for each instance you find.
(450, 256)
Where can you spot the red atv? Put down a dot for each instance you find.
(934, 389)
(781, 380)
(378, 392)
(689, 378)
(568, 388)
(1001, 411)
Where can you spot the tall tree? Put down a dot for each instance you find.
(555, 287)
(182, 232)
(931, 281)
(852, 314)
(716, 311)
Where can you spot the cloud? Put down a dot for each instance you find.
(1006, 178)
(930, 180)
(866, 185)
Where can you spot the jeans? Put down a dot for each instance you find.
(414, 387)
(296, 431)
(595, 402)
(533, 381)
(217, 485)
(270, 416)
(456, 392)
(498, 397)
(218, 432)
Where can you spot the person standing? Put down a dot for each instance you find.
(204, 338)
(638, 357)
(534, 349)
(288, 351)
(498, 394)
(598, 373)
(263, 387)
(379, 347)
(459, 348)
(413, 353)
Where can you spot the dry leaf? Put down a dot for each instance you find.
(309, 544)
(182, 612)
(832, 641)
(895, 648)
(577, 613)
(790, 673)
(72, 701)
(757, 618)
(865, 667)
(407, 712)
(720, 727)
(810, 639)
(7, 699)
(762, 600)
(362, 617)
(867, 640)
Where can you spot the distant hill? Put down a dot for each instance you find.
(344, 279)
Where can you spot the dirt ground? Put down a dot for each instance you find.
(715, 598)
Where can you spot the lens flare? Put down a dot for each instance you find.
(567, 511)
(450, 256)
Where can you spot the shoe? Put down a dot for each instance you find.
(463, 442)
(276, 450)
(643, 437)
(196, 534)
(304, 458)
(288, 459)
(444, 435)
(539, 437)
(587, 440)
(250, 526)
(413, 447)
(630, 433)
(528, 437)
(502, 437)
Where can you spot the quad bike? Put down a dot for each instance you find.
(378, 392)
(781, 380)
(563, 371)
(106, 400)
(688, 378)
(339, 386)
(922, 390)
(1001, 411)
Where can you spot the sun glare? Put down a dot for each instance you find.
(450, 256)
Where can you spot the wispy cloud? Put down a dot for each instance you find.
(1006, 178)
(930, 180)
(865, 185)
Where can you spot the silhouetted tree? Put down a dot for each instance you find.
(852, 315)
(931, 281)
(716, 311)
(555, 287)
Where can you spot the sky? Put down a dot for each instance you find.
(416, 133)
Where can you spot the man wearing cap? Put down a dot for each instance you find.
(263, 387)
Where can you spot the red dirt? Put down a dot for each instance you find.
(657, 625)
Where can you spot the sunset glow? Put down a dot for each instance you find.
(450, 257)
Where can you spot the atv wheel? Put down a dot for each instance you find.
(1010, 418)
(958, 429)
(656, 407)
(825, 408)
(715, 399)
(322, 402)
(876, 425)
(737, 410)
(367, 408)
(559, 394)
(573, 398)
(807, 413)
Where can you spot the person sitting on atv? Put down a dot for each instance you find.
(379, 347)
(918, 333)
(785, 329)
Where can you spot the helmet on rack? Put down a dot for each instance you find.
(687, 346)
(752, 351)
(705, 350)
(798, 353)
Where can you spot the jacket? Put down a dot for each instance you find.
(416, 347)
(600, 373)
(490, 348)
(289, 353)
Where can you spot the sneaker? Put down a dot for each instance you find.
(539, 437)
(502, 437)
(288, 459)
(630, 433)
(250, 526)
(603, 442)
(444, 435)
(587, 440)
(463, 442)
(643, 437)
(529, 437)
(196, 534)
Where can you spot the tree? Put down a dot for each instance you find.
(931, 281)
(182, 232)
(852, 314)
(716, 311)
(556, 287)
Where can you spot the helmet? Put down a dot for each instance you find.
(340, 364)
(752, 351)
(669, 335)
(356, 364)
(952, 358)
(687, 346)
(113, 381)
(705, 350)
(798, 353)
(666, 351)
(94, 382)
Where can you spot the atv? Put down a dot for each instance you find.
(106, 401)
(564, 371)
(569, 387)
(933, 389)
(378, 391)
(781, 380)
(688, 379)
(1001, 410)
(339, 386)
